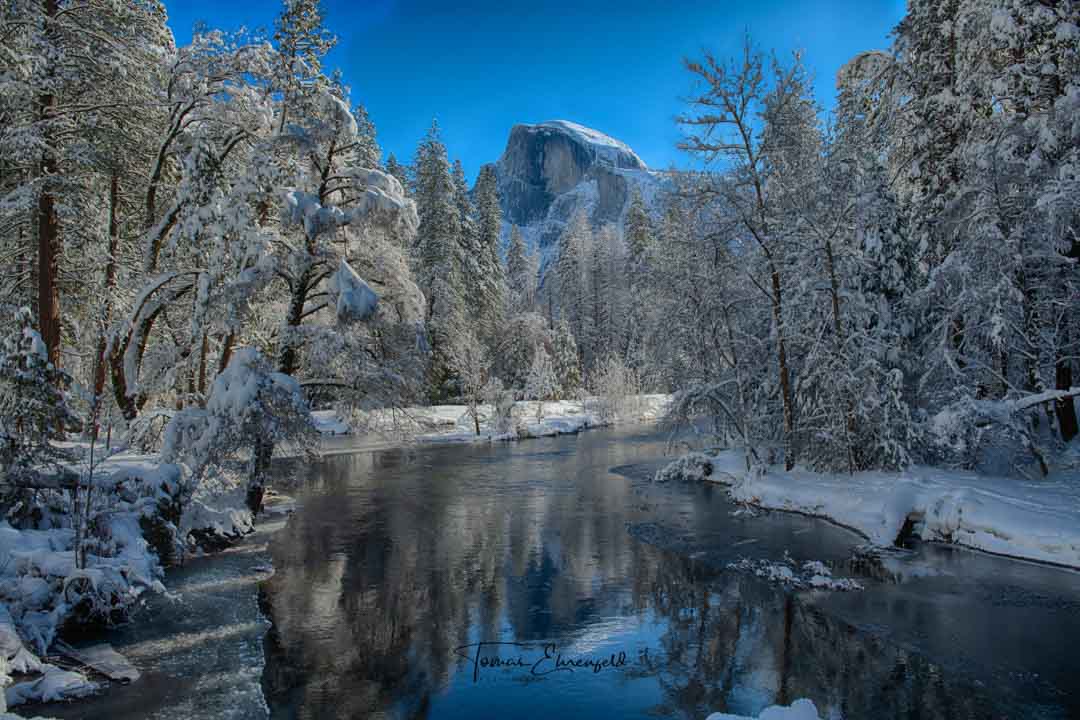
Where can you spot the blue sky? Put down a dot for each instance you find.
(480, 66)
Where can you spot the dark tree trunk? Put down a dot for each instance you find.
(1065, 408)
(100, 360)
(785, 376)
(261, 456)
(48, 229)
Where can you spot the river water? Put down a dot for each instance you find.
(553, 578)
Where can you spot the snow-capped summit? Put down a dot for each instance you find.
(552, 169)
(608, 149)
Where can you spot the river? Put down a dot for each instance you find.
(607, 594)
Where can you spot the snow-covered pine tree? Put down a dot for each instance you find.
(570, 278)
(521, 274)
(602, 282)
(541, 384)
(302, 42)
(65, 80)
(401, 172)
(513, 354)
(437, 258)
(490, 301)
(640, 258)
(34, 409)
(566, 360)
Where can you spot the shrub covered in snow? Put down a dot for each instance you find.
(250, 408)
(692, 467)
(993, 435)
(501, 400)
(616, 388)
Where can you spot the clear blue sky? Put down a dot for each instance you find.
(480, 66)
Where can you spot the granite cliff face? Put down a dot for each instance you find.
(551, 170)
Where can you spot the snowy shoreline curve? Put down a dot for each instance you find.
(1035, 521)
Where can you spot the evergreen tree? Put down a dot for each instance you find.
(490, 299)
(438, 258)
(521, 274)
(303, 41)
(399, 171)
(570, 276)
(34, 408)
(638, 237)
(566, 362)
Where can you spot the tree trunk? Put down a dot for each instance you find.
(48, 228)
(1065, 408)
(288, 363)
(289, 356)
(226, 352)
(109, 288)
(261, 456)
(785, 376)
(204, 349)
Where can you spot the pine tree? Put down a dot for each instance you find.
(34, 409)
(521, 274)
(570, 276)
(638, 237)
(566, 362)
(303, 41)
(399, 171)
(438, 258)
(490, 300)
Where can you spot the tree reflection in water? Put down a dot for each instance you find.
(396, 559)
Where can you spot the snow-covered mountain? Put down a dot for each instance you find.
(551, 169)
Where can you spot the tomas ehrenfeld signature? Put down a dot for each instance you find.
(484, 655)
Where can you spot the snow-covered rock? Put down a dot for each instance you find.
(54, 684)
(811, 575)
(801, 709)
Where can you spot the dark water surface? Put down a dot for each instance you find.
(398, 563)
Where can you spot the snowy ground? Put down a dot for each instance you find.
(452, 423)
(1034, 520)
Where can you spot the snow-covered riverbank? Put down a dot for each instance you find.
(452, 423)
(42, 588)
(1027, 519)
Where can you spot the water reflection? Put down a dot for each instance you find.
(397, 559)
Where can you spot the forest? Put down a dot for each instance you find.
(201, 245)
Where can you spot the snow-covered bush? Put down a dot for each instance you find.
(472, 363)
(249, 407)
(501, 400)
(541, 384)
(615, 389)
(693, 467)
(993, 435)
